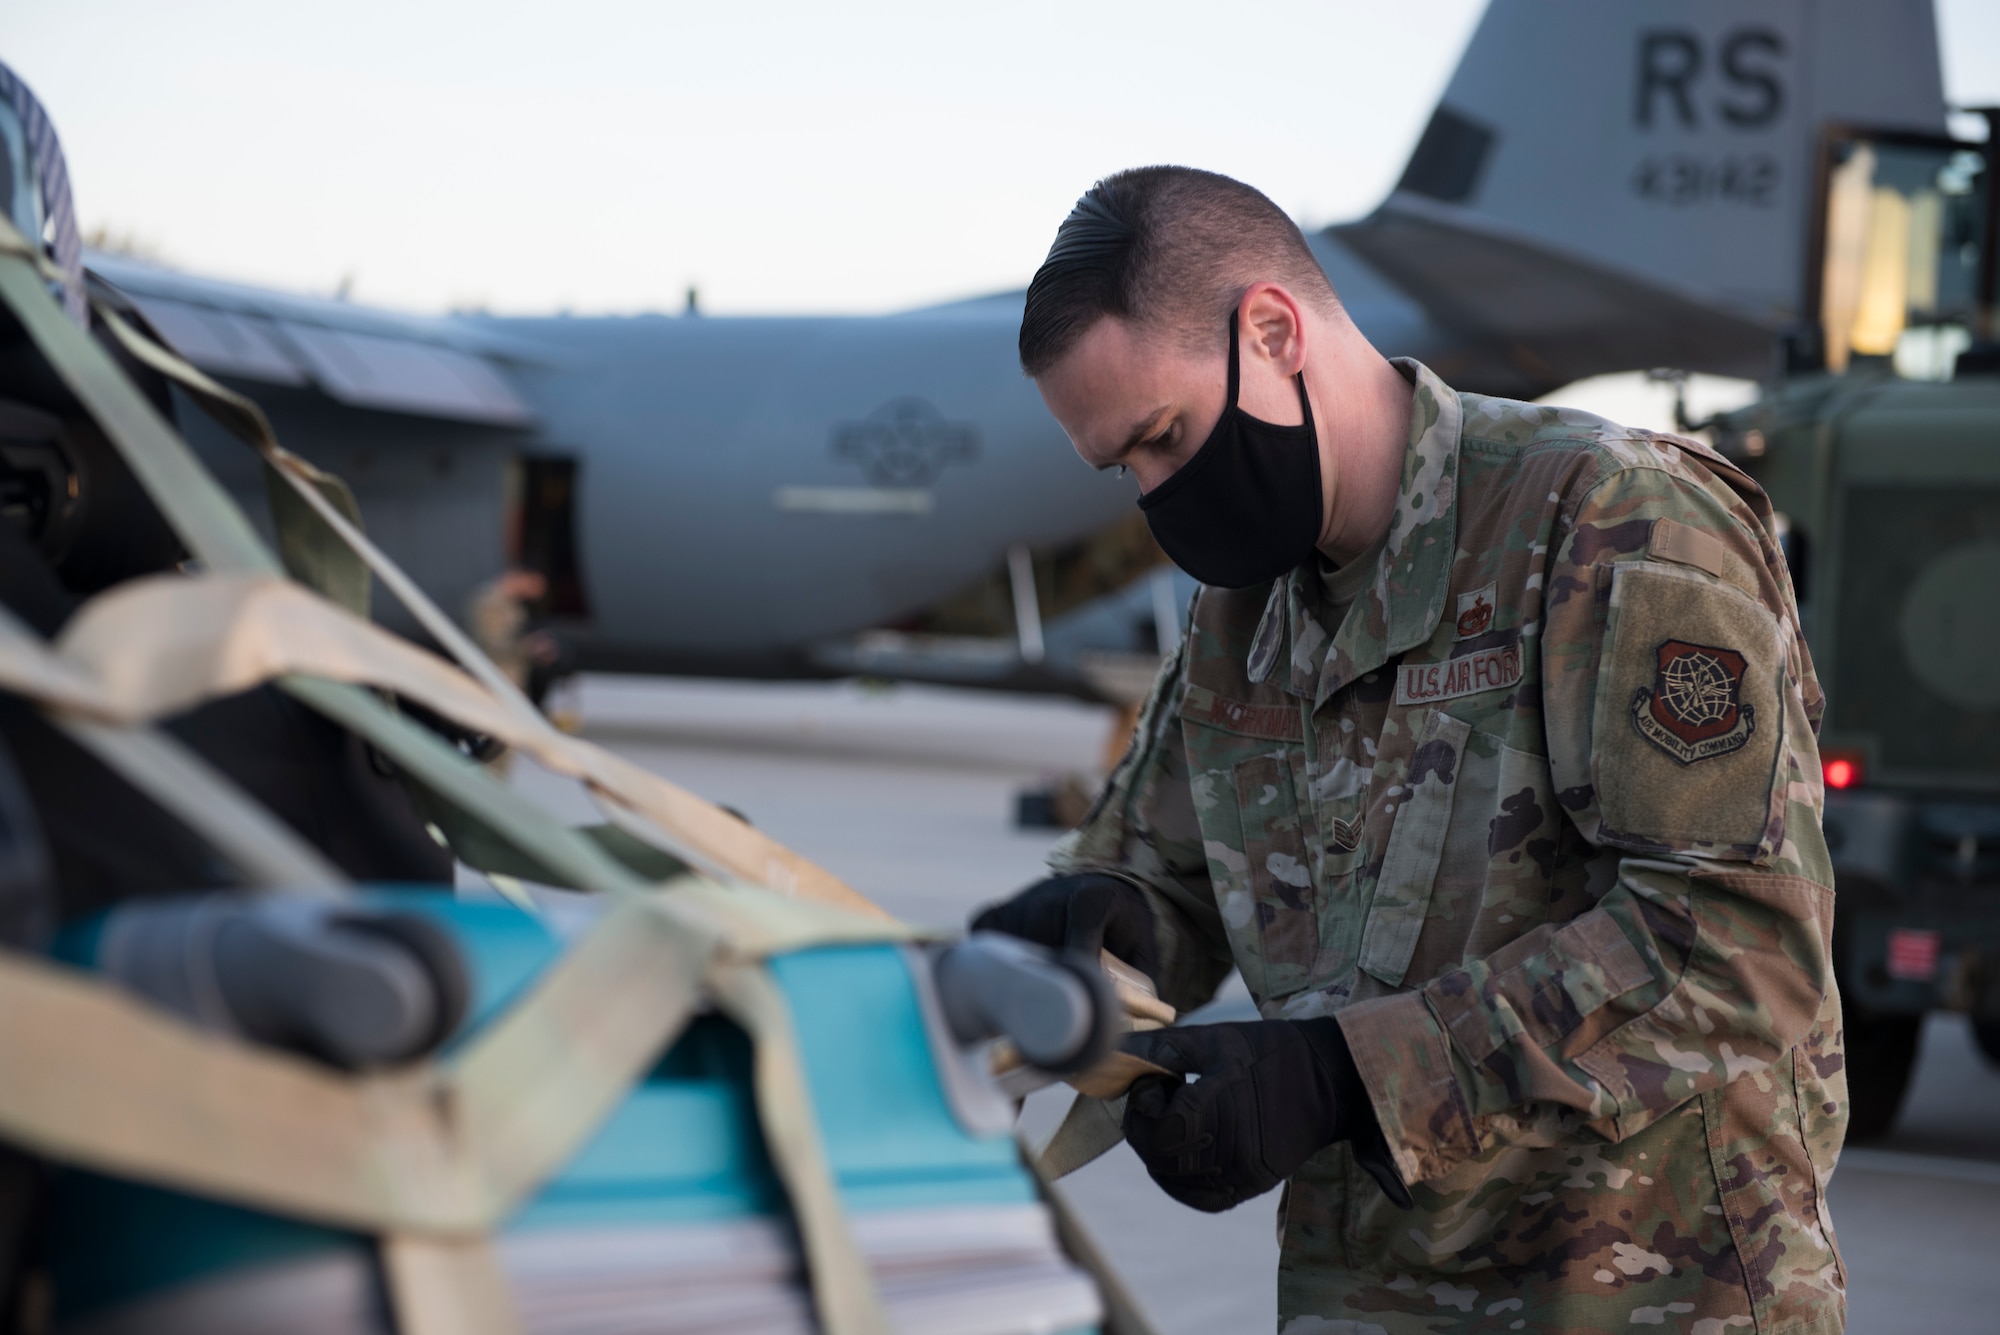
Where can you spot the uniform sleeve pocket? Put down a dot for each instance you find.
(1416, 841)
(1585, 965)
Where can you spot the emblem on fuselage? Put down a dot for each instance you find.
(905, 443)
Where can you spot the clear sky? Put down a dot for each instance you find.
(601, 155)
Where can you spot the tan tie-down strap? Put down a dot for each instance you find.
(447, 1286)
(262, 848)
(1094, 1124)
(1122, 1313)
(155, 646)
(784, 1108)
(341, 557)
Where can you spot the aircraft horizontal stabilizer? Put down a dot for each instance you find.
(1532, 317)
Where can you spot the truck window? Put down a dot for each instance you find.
(1903, 222)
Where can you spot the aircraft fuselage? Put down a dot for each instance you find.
(748, 486)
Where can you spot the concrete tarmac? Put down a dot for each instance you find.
(908, 793)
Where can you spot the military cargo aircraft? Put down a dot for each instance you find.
(1601, 188)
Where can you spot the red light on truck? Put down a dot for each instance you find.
(1913, 954)
(1841, 771)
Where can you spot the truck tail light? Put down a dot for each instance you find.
(1841, 771)
(1913, 955)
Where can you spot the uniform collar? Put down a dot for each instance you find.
(1412, 580)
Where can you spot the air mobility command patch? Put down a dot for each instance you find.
(1688, 724)
(1694, 709)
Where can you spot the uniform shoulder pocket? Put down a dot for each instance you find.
(1689, 721)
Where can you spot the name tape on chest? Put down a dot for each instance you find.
(1276, 723)
(1487, 670)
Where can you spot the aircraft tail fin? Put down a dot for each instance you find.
(1669, 144)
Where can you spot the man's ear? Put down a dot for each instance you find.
(1273, 328)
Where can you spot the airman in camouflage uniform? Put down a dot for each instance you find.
(1538, 819)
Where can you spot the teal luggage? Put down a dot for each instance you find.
(670, 1218)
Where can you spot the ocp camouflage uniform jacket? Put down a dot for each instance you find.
(1540, 822)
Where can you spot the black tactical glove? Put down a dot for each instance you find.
(1085, 913)
(1270, 1095)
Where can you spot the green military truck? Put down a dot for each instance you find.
(1880, 447)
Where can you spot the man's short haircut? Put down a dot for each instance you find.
(1171, 248)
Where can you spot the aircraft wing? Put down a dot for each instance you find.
(363, 358)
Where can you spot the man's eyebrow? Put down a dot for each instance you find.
(1138, 434)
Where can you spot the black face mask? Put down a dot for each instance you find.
(1246, 508)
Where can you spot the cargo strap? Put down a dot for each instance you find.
(431, 1158)
(263, 849)
(1094, 1122)
(1090, 1129)
(155, 646)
